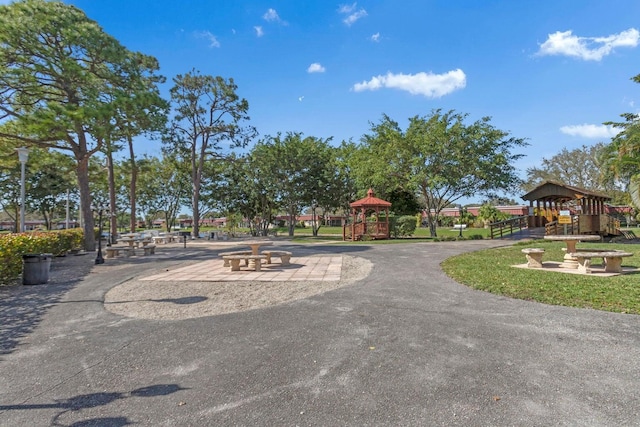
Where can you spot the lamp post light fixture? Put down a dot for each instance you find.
(460, 220)
(23, 156)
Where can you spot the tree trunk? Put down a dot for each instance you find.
(315, 223)
(113, 220)
(82, 171)
(292, 221)
(433, 223)
(16, 214)
(432, 217)
(132, 188)
(196, 212)
(195, 200)
(47, 220)
(166, 221)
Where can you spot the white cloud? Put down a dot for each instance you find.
(375, 37)
(426, 84)
(351, 19)
(347, 8)
(353, 15)
(590, 131)
(259, 31)
(301, 98)
(213, 41)
(272, 16)
(587, 48)
(316, 68)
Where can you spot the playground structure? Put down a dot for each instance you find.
(587, 210)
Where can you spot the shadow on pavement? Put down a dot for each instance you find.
(23, 307)
(93, 400)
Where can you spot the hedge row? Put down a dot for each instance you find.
(13, 246)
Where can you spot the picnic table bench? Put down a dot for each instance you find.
(285, 257)
(612, 260)
(113, 251)
(534, 257)
(235, 261)
(149, 249)
(163, 239)
(131, 241)
(227, 261)
(146, 241)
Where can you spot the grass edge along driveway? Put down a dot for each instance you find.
(491, 270)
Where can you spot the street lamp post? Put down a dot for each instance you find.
(23, 156)
(460, 220)
(100, 209)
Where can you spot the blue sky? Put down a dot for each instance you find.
(550, 71)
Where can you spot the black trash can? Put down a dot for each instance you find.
(35, 268)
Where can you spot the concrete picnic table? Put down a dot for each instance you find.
(129, 240)
(571, 240)
(255, 249)
(255, 245)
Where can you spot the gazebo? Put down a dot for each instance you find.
(587, 208)
(374, 226)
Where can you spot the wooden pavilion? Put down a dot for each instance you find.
(374, 226)
(587, 209)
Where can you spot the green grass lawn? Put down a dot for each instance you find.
(335, 233)
(419, 233)
(490, 270)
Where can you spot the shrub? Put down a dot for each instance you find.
(13, 246)
(405, 225)
(446, 221)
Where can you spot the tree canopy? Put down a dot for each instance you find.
(59, 75)
(301, 171)
(621, 158)
(440, 157)
(578, 167)
(208, 121)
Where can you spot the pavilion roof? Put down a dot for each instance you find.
(552, 190)
(370, 201)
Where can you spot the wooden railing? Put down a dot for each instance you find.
(612, 225)
(602, 224)
(371, 229)
(553, 228)
(509, 226)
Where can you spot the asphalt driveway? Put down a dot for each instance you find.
(406, 346)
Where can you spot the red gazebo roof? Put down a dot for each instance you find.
(370, 201)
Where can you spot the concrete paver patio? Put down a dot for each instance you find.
(301, 268)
